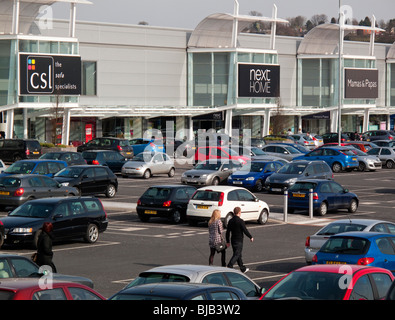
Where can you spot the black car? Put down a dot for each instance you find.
(16, 149)
(169, 201)
(117, 144)
(2, 233)
(70, 157)
(71, 217)
(89, 180)
(112, 159)
(16, 266)
(334, 137)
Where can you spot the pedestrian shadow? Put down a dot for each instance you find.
(280, 267)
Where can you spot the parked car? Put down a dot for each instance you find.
(146, 145)
(17, 189)
(385, 154)
(219, 152)
(332, 282)
(226, 198)
(70, 157)
(17, 149)
(72, 217)
(199, 274)
(210, 172)
(256, 153)
(180, 291)
(314, 242)
(32, 289)
(109, 143)
(327, 195)
(281, 150)
(17, 266)
(366, 161)
(364, 146)
(112, 159)
(146, 164)
(391, 292)
(304, 140)
(2, 233)
(334, 137)
(294, 171)
(373, 135)
(318, 140)
(375, 249)
(257, 142)
(339, 158)
(253, 174)
(37, 166)
(168, 201)
(385, 143)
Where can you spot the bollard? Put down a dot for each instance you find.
(311, 203)
(285, 205)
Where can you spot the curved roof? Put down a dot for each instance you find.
(391, 52)
(28, 12)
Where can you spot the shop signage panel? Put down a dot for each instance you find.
(49, 75)
(361, 83)
(258, 80)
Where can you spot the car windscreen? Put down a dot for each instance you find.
(143, 157)
(157, 193)
(10, 182)
(155, 277)
(208, 195)
(89, 155)
(51, 156)
(347, 152)
(335, 228)
(21, 167)
(292, 150)
(253, 167)
(258, 151)
(345, 245)
(208, 166)
(33, 210)
(302, 186)
(33, 145)
(70, 172)
(126, 296)
(292, 168)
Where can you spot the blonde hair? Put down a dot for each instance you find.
(215, 216)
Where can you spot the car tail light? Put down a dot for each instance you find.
(221, 199)
(95, 162)
(315, 196)
(390, 137)
(1, 223)
(167, 203)
(307, 243)
(138, 202)
(315, 259)
(151, 144)
(18, 192)
(27, 152)
(365, 261)
(119, 148)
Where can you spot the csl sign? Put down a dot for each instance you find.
(46, 74)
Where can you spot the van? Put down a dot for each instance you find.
(117, 144)
(12, 150)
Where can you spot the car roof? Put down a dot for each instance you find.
(58, 199)
(366, 222)
(40, 160)
(332, 268)
(363, 234)
(220, 188)
(188, 270)
(24, 283)
(171, 186)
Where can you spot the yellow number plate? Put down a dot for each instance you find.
(299, 195)
(4, 193)
(149, 212)
(202, 207)
(335, 262)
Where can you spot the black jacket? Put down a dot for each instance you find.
(238, 229)
(44, 250)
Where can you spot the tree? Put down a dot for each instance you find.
(318, 19)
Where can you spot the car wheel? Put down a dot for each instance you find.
(215, 182)
(111, 191)
(147, 174)
(263, 217)
(227, 219)
(336, 167)
(258, 186)
(323, 209)
(176, 217)
(389, 164)
(92, 233)
(353, 206)
(361, 166)
(171, 172)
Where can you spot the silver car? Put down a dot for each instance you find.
(283, 151)
(146, 164)
(199, 274)
(367, 162)
(210, 172)
(305, 140)
(386, 155)
(315, 241)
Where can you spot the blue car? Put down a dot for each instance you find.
(145, 145)
(338, 158)
(375, 249)
(327, 195)
(253, 174)
(35, 166)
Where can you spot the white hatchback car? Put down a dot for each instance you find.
(226, 198)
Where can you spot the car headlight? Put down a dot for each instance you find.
(183, 175)
(291, 181)
(65, 184)
(22, 230)
(250, 179)
(203, 176)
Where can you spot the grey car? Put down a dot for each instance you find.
(146, 164)
(210, 172)
(283, 151)
(305, 140)
(291, 172)
(367, 162)
(257, 154)
(199, 274)
(315, 241)
(386, 155)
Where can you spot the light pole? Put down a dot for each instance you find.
(339, 112)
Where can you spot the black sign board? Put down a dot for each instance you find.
(258, 80)
(49, 75)
(361, 83)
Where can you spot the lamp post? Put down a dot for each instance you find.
(341, 22)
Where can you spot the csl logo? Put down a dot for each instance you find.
(40, 74)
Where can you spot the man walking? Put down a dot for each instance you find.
(237, 228)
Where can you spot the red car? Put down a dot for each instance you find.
(45, 289)
(219, 152)
(332, 282)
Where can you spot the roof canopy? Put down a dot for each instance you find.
(391, 52)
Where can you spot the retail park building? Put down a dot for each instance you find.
(78, 80)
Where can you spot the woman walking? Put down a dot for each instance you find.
(215, 229)
(44, 246)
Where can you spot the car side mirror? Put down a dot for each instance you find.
(58, 216)
(345, 190)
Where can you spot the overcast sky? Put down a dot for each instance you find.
(188, 13)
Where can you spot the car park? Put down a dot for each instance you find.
(332, 282)
(305, 140)
(253, 174)
(109, 143)
(327, 195)
(13, 266)
(338, 158)
(72, 217)
(12, 150)
(70, 157)
(282, 151)
(89, 180)
(112, 159)
(17, 189)
(219, 152)
(33, 289)
(37, 166)
(210, 172)
(166, 201)
(375, 249)
(226, 198)
(334, 137)
(199, 274)
(291, 172)
(366, 161)
(146, 145)
(314, 242)
(385, 154)
(373, 135)
(146, 164)
(180, 291)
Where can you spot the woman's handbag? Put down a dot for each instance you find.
(34, 257)
(221, 246)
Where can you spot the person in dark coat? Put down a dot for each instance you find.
(237, 228)
(44, 246)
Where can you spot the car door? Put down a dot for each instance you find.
(87, 183)
(62, 220)
(326, 193)
(38, 188)
(52, 188)
(342, 199)
(386, 257)
(168, 163)
(249, 206)
(158, 164)
(101, 180)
